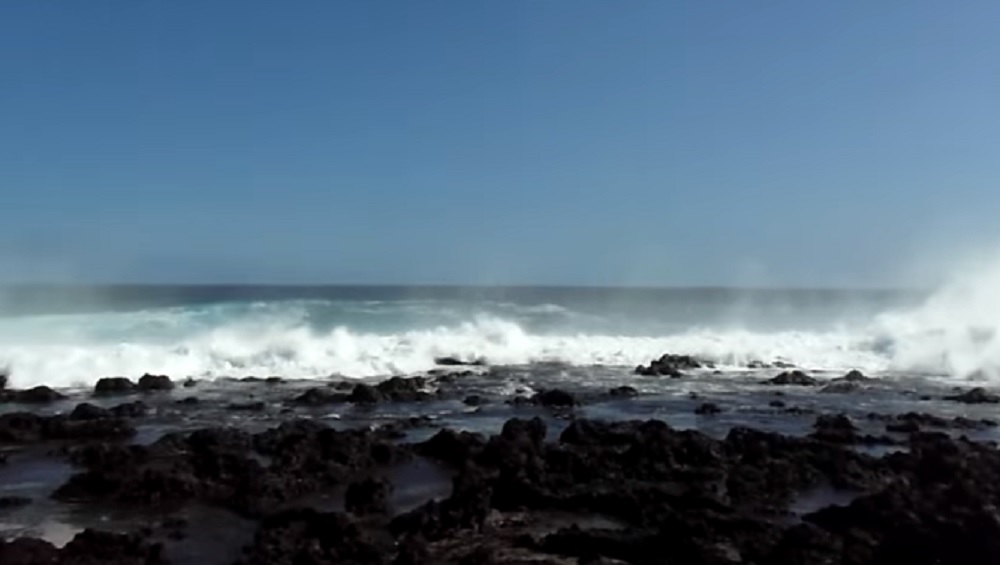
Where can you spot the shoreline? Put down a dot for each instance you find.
(460, 466)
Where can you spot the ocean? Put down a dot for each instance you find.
(72, 336)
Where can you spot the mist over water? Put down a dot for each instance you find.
(69, 336)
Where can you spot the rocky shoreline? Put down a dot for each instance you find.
(550, 483)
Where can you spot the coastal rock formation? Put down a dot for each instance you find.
(976, 395)
(793, 378)
(89, 547)
(670, 366)
(223, 466)
(36, 395)
(153, 383)
(114, 386)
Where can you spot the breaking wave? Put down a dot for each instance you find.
(954, 334)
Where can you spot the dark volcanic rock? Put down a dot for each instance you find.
(940, 511)
(256, 406)
(555, 398)
(793, 378)
(474, 400)
(395, 389)
(87, 411)
(400, 389)
(4, 377)
(669, 366)
(623, 392)
(451, 446)
(370, 496)
(977, 395)
(92, 547)
(305, 536)
(151, 383)
(320, 396)
(224, 466)
(23, 427)
(365, 394)
(36, 395)
(456, 362)
(836, 429)
(708, 409)
(28, 551)
(855, 376)
(113, 386)
(89, 547)
(911, 422)
(135, 409)
(841, 387)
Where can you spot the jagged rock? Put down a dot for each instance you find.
(976, 395)
(89, 547)
(670, 366)
(793, 378)
(855, 376)
(301, 536)
(224, 466)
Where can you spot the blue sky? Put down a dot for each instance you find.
(584, 142)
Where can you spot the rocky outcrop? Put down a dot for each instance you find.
(36, 395)
(155, 383)
(224, 466)
(89, 547)
(976, 395)
(670, 366)
(797, 378)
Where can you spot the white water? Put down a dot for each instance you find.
(953, 335)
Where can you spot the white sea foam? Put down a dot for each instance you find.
(276, 346)
(955, 334)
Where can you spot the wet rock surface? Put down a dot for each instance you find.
(246, 473)
(552, 484)
(797, 378)
(111, 386)
(670, 366)
(36, 395)
(89, 547)
(976, 395)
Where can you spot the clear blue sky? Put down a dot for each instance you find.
(687, 142)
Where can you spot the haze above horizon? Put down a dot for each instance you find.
(584, 143)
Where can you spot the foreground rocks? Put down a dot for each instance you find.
(597, 492)
(89, 547)
(85, 422)
(226, 467)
